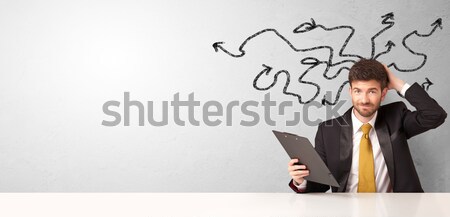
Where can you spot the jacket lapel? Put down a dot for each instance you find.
(386, 145)
(346, 149)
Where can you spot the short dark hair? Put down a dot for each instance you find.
(368, 69)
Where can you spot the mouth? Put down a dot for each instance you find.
(365, 106)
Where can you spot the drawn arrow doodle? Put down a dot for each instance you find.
(336, 67)
(302, 28)
(436, 24)
(426, 85)
(305, 27)
(218, 45)
(267, 70)
(387, 19)
(389, 46)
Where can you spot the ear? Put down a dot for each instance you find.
(383, 93)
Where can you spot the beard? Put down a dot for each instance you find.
(366, 110)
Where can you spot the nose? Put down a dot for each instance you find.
(364, 99)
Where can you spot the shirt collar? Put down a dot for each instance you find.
(357, 123)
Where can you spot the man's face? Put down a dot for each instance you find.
(367, 96)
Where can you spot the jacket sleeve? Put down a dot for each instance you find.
(428, 115)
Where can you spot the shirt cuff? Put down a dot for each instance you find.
(301, 186)
(404, 89)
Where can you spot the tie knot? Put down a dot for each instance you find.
(366, 128)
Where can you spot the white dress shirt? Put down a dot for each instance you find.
(382, 180)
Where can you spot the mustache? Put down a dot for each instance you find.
(366, 104)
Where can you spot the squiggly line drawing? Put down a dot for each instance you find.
(312, 62)
(387, 19)
(266, 71)
(436, 24)
(305, 27)
(389, 46)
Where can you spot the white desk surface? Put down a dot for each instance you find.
(224, 204)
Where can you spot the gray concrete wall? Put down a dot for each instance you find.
(62, 62)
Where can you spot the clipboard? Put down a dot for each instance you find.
(300, 148)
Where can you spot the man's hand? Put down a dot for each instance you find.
(297, 172)
(394, 82)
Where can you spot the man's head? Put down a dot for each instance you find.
(368, 86)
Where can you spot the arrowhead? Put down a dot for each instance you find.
(386, 17)
(438, 23)
(306, 27)
(267, 69)
(217, 45)
(426, 85)
(390, 44)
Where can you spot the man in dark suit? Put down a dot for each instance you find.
(366, 148)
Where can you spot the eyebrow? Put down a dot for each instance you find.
(373, 88)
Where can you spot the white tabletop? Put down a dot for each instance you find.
(224, 204)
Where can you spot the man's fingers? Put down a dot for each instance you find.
(296, 167)
(292, 162)
(299, 167)
(299, 173)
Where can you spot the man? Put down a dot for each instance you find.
(366, 148)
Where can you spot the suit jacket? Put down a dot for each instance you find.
(394, 125)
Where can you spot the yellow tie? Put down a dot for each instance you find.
(366, 166)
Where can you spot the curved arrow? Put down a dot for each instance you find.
(387, 19)
(426, 85)
(268, 69)
(436, 24)
(310, 26)
(218, 45)
(389, 46)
